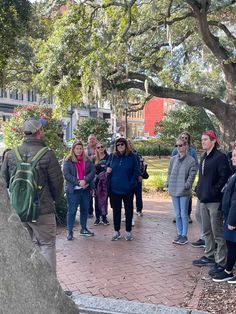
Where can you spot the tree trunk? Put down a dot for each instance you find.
(27, 283)
(228, 126)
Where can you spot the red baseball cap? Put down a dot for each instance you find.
(211, 134)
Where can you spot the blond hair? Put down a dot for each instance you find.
(72, 155)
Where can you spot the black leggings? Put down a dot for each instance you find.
(231, 255)
(116, 200)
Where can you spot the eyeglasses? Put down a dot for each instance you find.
(179, 145)
(98, 147)
(120, 144)
(184, 137)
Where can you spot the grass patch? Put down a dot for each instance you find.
(157, 170)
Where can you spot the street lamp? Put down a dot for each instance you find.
(126, 117)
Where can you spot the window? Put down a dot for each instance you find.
(16, 95)
(3, 93)
(32, 95)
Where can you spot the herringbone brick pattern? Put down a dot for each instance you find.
(148, 269)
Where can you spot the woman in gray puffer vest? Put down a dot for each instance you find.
(181, 174)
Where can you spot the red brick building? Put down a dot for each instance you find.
(154, 111)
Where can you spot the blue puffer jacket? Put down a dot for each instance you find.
(70, 174)
(125, 173)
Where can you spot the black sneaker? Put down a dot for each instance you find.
(86, 233)
(203, 261)
(68, 293)
(70, 236)
(199, 243)
(183, 240)
(215, 270)
(90, 216)
(105, 222)
(223, 276)
(175, 241)
(96, 222)
(232, 280)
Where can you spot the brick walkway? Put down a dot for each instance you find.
(149, 269)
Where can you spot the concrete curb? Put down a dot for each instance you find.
(99, 305)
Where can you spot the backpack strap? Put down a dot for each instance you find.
(39, 155)
(36, 157)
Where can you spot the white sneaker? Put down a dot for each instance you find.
(128, 236)
(115, 236)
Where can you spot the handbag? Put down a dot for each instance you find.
(145, 174)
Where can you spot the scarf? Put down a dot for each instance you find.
(80, 167)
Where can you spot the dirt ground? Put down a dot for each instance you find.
(218, 298)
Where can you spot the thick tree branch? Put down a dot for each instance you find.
(137, 81)
(224, 29)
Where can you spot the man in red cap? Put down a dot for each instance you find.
(214, 172)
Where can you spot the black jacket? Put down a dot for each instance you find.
(229, 208)
(214, 172)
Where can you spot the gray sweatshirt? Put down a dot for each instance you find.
(181, 174)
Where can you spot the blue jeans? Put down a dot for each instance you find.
(78, 198)
(180, 204)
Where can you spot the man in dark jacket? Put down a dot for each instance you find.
(214, 172)
(42, 232)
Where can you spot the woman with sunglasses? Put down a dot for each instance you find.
(79, 173)
(101, 195)
(181, 174)
(192, 152)
(124, 169)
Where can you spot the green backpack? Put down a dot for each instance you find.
(23, 187)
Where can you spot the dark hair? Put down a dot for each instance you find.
(189, 137)
(127, 146)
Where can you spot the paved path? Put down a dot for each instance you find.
(148, 269)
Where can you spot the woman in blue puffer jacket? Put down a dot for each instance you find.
(124, 170)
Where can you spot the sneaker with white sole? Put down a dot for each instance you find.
(183, 240)
(115, 236)
(139, 214)
(86, 233)
(128, 236)
(175, 241)
(232, 280)
(223, 276)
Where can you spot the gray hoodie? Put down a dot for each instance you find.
(181, 174)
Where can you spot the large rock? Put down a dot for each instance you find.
(27, 284)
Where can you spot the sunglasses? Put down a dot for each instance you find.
(120, 144)
(184, 137)
(179, 145)
(98, 147)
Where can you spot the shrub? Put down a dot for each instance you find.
(13, 129)
(152, 148)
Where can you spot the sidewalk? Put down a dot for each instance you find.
(148, 269)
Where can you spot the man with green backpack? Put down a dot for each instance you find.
(34, 178)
